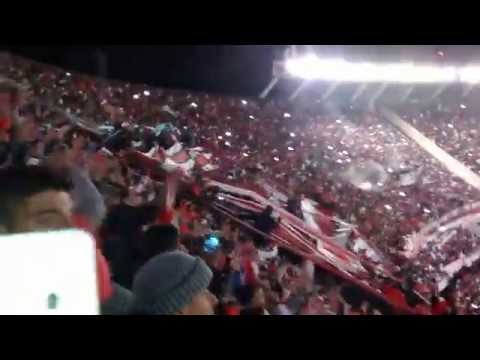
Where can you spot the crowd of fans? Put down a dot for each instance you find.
(354, 165)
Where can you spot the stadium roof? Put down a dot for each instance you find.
(418, 74)
(446, 54)
(246, 69)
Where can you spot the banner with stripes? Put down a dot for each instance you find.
(294, 235)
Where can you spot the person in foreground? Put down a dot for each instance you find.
(173, 283)
(33, 198)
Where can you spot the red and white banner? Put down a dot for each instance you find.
(294, 235)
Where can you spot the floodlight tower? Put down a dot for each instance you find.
(279, 72)
(309, 50)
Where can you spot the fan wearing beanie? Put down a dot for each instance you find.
(173, 283)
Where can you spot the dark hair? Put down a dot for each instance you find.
(353, 296)
(54, 145)
(159, 239)
(165, 140)
(19, 183)
(122, 220)
(120, 140)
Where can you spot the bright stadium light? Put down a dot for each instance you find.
(311, 67)
(469, 74)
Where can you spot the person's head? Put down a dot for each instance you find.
(166, 140)
(78, 141)
(28, 128)
(159, 239)
(58, 157)
(32, 198)
(133, 197)
(173, 283)
(119, 142)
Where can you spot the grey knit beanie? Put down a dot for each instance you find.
(168, 282)
(119, 303)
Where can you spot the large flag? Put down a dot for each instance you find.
(293, 234)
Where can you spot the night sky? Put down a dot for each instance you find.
(225, 69)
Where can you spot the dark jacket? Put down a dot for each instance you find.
(122, 231)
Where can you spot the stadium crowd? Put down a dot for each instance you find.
(135, 143)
